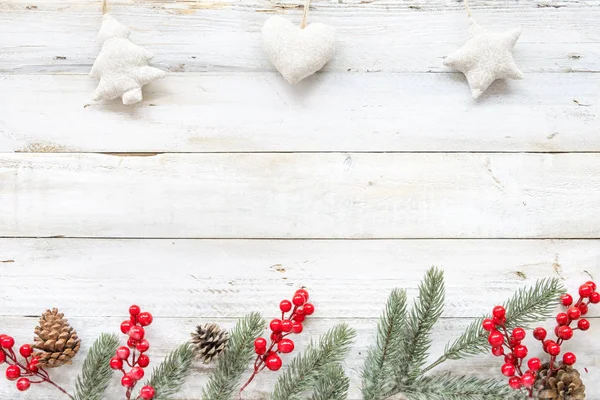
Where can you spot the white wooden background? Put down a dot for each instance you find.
(226, 188)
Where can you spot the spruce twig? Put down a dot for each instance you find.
(168, 378)
(96, 371)
(238, 354)
(305, 368)
(333, 384)
(388, 349)
(527, 305)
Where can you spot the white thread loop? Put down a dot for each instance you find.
(305, 17)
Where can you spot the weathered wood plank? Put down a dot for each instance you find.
(330, 112)
(283, 195)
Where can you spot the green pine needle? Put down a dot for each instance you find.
(238, 354)
(96, 372)
(306, 368)
(333, 384)
(388, 350)
(526, 306)
(168, 378)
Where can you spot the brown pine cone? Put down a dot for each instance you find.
(564, 384)
(56, 341)
(209, 341)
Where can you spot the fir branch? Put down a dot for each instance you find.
(448, 387)
(96, 371)
(168, 378)
(333, 384)
(526, 306)
(306, 368)
(425, 312)
(238, 354)
(388, 350)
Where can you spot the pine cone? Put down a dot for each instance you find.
(55, 339)
(564, 384)
(209, 341)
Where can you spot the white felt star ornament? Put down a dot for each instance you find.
(486, 57)
(121, 66)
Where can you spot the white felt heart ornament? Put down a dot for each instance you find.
(296, 52)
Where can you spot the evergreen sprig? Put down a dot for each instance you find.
(238, 354)
(333, 384)
(96, 372)
(305, 369)
(527, 305)
(168, 378)
(388, 351)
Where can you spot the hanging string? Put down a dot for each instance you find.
(305, 17)
(467, 8)
(103, 6)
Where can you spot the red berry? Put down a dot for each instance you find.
(137, 373)
(7, 342)
(2, 357)
(539, 333)
(495, 339)
(519, 333)
(569, 358)
(297, 327)
(565, 333)
(276, 337)
(137, 333)
(33, 364)
(145, 318)
(143, 346)
(298, 300)
(123, 353)
(126, 326)
(566, 299)
(488, 324)
(260, 343)
(286, 325)
(13, 372)
(285, 305)
(573, 313)
(143, 361)
(583, 324)
(499, 312)
(275, 325)
(147, 392)
(510, 358)
(299, 318)
(591, 284)
(553, 349)
(132, 343)
(23, 384)
(534, 364)
(513, 342)
(585, 290)
(562, 318)
(134, 310)
(514, 382)
(527, 380)
(508, 369)
(520, 351)
(116, 363)
(302, 292)
(583, 308)
(309, 309)
(26, 350)
(595, 298)
(498, 351)
(285, 345)
(273, 362)
(499, 321)
(127, 381)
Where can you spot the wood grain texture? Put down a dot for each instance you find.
(334, 195)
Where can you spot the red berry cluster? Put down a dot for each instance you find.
(25, 373)
(515, 352)
(134, 328)
(268, 353)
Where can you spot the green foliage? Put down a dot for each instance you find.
(305, 369)
(168, 378)
(96, 372)
(388, 351)
(238, 354)
(333, 384)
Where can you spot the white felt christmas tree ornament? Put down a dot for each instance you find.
(298, 52)
(485, 57)
(121, 66)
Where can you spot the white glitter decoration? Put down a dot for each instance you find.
(121, 66)
(486, 57)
